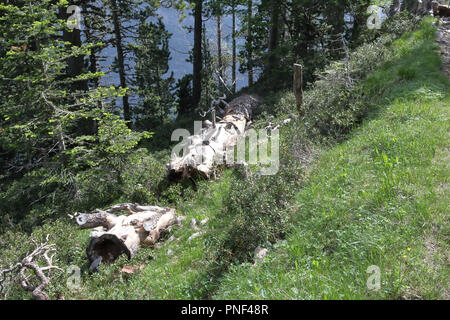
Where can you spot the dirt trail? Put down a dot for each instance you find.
(444, 42)
(431, 241)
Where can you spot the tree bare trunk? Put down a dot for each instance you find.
(219, 50)
(121, 60)
(197, 54)
(233, 35)
(250, 42)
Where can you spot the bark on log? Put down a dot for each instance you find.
(114, 235)
(298, 85)
(440, 10)
(203, 150)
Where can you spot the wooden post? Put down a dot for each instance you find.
(298, 85)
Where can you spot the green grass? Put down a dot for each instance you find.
(181, 275)
(379, 198)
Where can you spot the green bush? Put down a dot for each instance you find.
(400, 24)
(258, 208)
(99, 170)
(337, 102)
(69, 244)
(406, 73)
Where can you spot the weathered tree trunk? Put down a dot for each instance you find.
(115, 235)
(204, 150)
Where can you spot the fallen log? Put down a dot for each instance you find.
(203, 150)
(114, 235)
(440, 10)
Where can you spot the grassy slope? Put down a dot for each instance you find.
(365, 203)
(378, 199)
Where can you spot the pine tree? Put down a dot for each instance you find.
(42, 149)
(43, 102)
(185, 101)
(152, 55)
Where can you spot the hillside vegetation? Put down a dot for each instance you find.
(363, 181)
(380, 198)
